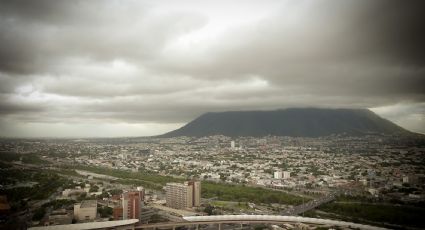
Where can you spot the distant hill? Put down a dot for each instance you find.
(295, 122)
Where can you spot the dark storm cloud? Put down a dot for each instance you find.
(38, 36)
(13, 108)
(164, 62)
(370, 47)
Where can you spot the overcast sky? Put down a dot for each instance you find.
(135, 68)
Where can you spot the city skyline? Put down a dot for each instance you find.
(140, 68)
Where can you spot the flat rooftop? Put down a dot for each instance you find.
(87, 226)
(88, 204)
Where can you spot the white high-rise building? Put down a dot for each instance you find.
(196, 193)
(179, 196)
(232, 144)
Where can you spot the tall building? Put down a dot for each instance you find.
(132, 202)
(86, 210)
(232, 144)
(117, 212)
(196, 192)
(179, 196)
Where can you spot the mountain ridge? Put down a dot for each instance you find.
(295, 122)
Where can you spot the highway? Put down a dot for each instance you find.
(309, 205)
(220, 220)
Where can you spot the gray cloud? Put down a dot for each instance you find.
(136, 62)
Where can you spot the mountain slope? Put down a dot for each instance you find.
(302, 122)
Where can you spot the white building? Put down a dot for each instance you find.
(232, 144)
(86, 210)
(179, 196)
(278, 175)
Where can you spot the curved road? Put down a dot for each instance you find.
(250, 219)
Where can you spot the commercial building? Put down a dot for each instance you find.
(131, 205)
(181, 196)
(117, 212)
(278, 175)
(196, 192)
(60, 216)
(86, 210)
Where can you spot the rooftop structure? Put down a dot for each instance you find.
(86, 210)
(118, 224)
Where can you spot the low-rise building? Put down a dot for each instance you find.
(86, 210)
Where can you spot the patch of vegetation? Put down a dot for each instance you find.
(47, 184)
(104, 211)
(240, 193)
(148, 180)
(29, 158)
(382, 213)
(57, 204)
(39, 213)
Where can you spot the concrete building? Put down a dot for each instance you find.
(278, 175)
(117, 212)
(86, 210)
(132, 202)
(232, 144)
(146, 215)
(179, 196)
(60, 216)
(196, 193)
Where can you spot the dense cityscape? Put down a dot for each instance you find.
(49, 181)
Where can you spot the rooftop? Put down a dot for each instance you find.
(86, 226)
(88, 204)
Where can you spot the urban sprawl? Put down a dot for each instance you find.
(155, 180)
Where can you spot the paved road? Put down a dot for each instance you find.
(309, 205)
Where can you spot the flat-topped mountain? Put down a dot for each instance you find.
(295, 122)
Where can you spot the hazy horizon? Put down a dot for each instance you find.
(143, 68)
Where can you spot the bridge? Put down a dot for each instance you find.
(309, 205)
(195, 221)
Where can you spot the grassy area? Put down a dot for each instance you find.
(69, 172)
(26, 158)
(230, 204)
(148, 180)
(47, 184)
(382, 213)
(241, 193)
